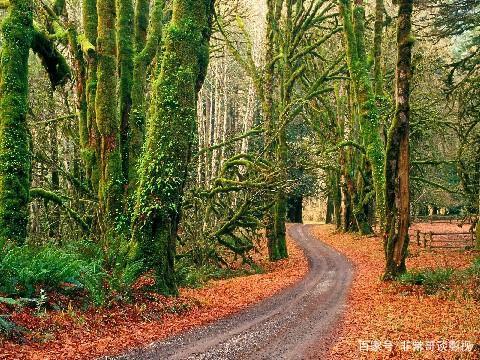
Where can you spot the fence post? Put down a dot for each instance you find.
(418, 237)
(424, 240)
(431, 240)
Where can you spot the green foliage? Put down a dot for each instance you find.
(121, 265)
(224, 217)
(9, 329)
(473, 277)
(432, 280)
(101, 271)
(25, 270)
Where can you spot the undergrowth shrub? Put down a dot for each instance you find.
(432, 280)
(122, 266)
(97, 271)
(25, 270)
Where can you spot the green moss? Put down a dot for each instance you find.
(15, 160)
(110, 189)
(52, 60)
(170, 138)
(142, 10)
(125, 28)
(142, 60)
(365, 97)
(89, 137)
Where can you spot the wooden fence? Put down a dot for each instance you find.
(438, 240)
(445, 219)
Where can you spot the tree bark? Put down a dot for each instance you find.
(273, 221)
(89, 137)
(397, 164)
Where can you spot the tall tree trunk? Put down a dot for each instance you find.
(110, 189)
(377, 47)
(170, 137)
(397, 164)
(295, 209)
(15, 159)
(330, 208)
(337, 202)
(281, 200)
(353, 27)
(54, 231)
(89, 137)
(146, 46)
(125, 34)
(269, 117)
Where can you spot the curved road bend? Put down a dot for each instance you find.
(297, 323)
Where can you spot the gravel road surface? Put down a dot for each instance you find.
(297, 323)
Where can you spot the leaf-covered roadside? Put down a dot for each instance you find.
(379, 311)
(106, 331)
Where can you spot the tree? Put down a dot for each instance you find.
(147, 46)
(15, 158)
(364, 96)
(170, 137)
(110, 189)
(397, 164)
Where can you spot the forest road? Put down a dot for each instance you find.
(297, 323)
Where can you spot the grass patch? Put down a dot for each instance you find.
(432, 280)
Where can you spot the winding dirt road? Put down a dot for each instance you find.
(297, 323)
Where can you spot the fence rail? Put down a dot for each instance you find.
(432, 240)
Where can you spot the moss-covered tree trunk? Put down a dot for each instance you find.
(281, 204)
(15, 159)
(397, 166)
(170, 137)
(269, 111)
(110, 188)
(377, 47)
(337, 201)
(89, 136)
(147, 44)
(125, 54)
(354, 31)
